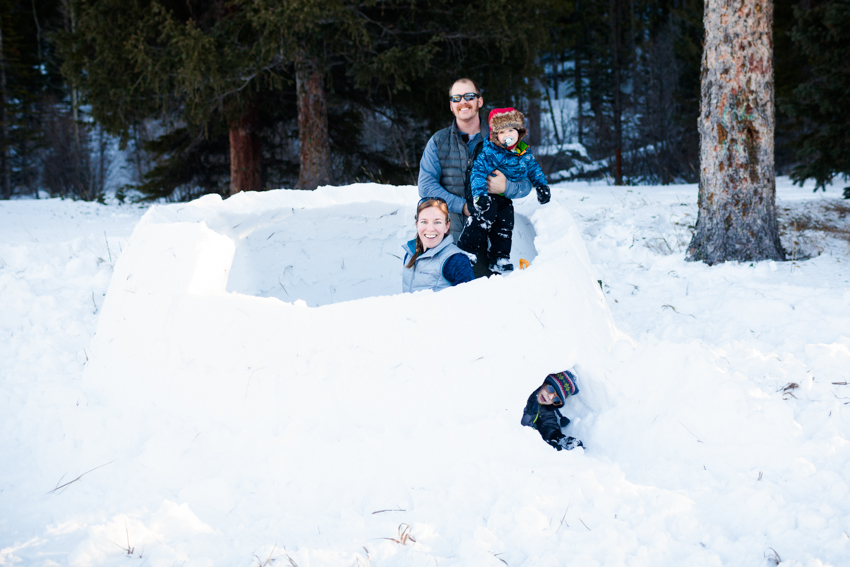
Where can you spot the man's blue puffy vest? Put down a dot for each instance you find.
(427, 272)
(456, 165)
(455, 158)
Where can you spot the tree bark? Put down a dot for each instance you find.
(617, 106)
(316, 166)
(4, 130)
(246, 166)
(532, 119)
(737, 213)
(579, 85)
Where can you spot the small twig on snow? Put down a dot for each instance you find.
(786, 390)
(268, 559)
(404, 535)
(129, 550)
(668, 306)
(563, 519)
(773, 556)
(538, 319)
(78, 478)
(107, 247)
(691, 432)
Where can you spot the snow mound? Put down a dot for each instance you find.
(211, 421)
(355, 406)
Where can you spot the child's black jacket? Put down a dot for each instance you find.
(547, 420)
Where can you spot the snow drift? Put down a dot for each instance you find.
(257, 391)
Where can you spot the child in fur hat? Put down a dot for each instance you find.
(492, 216)
(542, 411)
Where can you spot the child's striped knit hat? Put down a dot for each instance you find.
(564, 383)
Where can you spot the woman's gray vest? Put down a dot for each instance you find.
(427, 272)
(456, 165)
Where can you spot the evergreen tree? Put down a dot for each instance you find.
(245, 69)
(30, 87)
(821, 105)
(196, 62)
(633, 68)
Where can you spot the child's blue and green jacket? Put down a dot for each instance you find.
(516, 164)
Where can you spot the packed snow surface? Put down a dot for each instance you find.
(241, 382)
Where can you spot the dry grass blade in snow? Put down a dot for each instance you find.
(404, 535)
(268, 559)
(78, 478)
(787, 390)
(773, 557)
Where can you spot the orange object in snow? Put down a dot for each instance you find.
(523, 263)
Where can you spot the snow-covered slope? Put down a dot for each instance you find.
(257, 391)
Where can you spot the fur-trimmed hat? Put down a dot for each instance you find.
(564, 383)
(503, 119)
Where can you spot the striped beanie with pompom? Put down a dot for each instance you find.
(564, 383)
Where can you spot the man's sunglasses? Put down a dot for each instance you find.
(467, 97)
(551, 389)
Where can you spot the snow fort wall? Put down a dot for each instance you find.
(432, 379)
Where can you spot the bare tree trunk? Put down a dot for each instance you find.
(533, 122)
(4, 130)
(579, 88)
(316, 166)
(737, 214)
(552, 112)
(37, 32)
(81, 187)
(614, 16)
(246, 165)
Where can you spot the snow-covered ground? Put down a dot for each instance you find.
(239, 383)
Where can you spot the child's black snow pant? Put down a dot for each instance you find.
(492, 219)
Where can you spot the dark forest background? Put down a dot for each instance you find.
(88, 85)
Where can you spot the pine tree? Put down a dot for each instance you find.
(196, 60)
(246, 67)
(737, 214)
(820, 105)
(30, 87)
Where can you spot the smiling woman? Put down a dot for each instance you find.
(431, 260)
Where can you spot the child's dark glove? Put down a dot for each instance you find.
(543, 194)
(567, 444)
